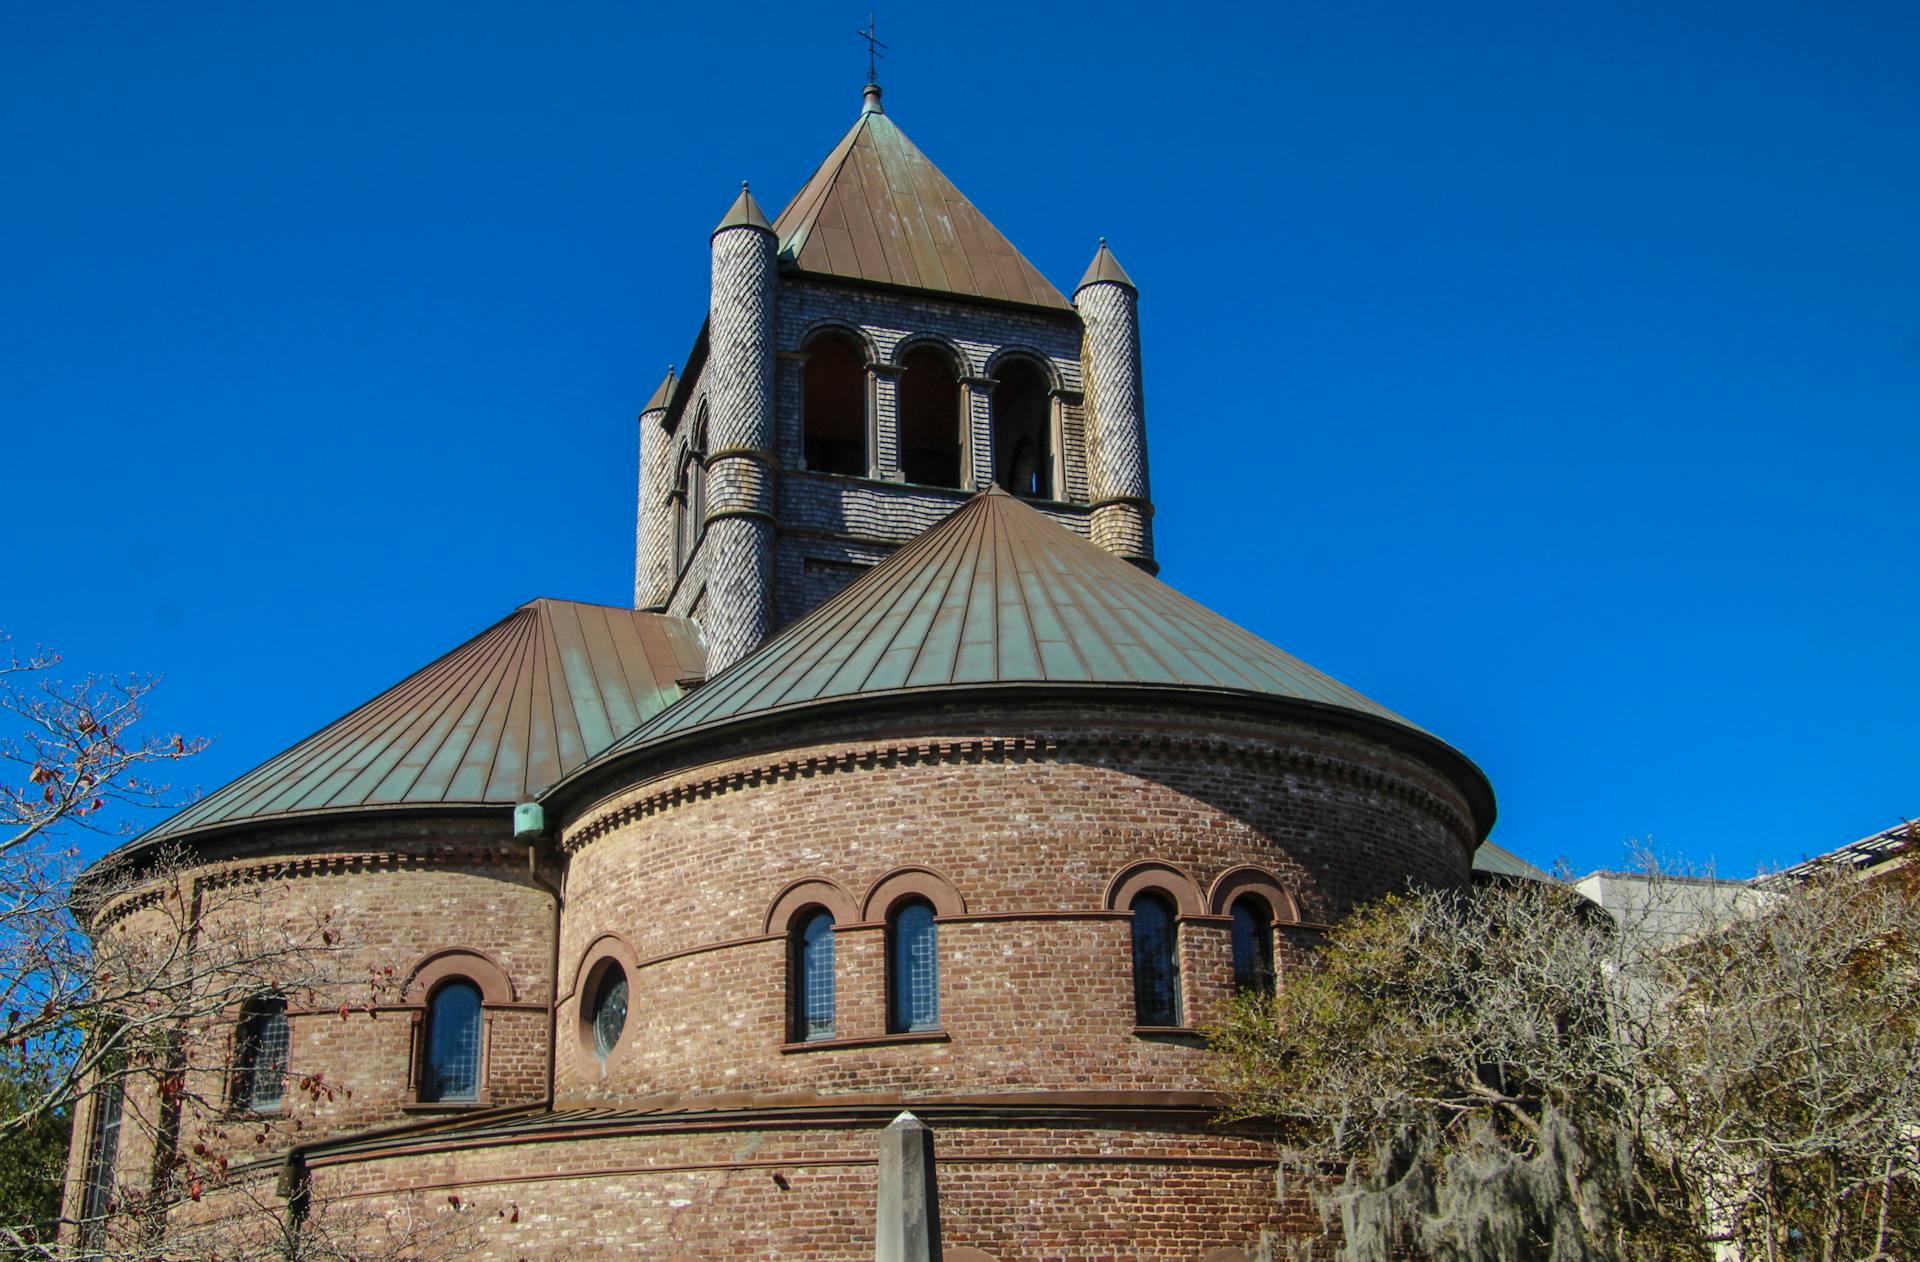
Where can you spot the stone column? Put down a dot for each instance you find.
(976, 423)
(653, 522)
(740, 463)
(1116, 417)
(907, 1218)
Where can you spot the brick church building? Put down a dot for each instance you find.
(905, 783)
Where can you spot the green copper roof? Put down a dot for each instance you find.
(1105, 269)
(998, 594)
(494, 722)
(744, 213)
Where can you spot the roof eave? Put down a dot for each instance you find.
(778, 725)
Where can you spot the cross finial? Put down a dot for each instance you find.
(874, 55)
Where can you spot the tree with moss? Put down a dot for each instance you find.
(1509, 1075)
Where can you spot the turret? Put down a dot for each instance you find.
(1108, 304)
(653, 520)
(737, 611)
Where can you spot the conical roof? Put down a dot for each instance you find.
(1105, 268)
(999, 594)
(744, 213)
(494, 722)
(662, 395)
(878, 210)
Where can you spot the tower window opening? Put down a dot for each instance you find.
(930, 444)
(453, 1044)
(1252, 948)
(1022, 425)
(1156, 962)
(260, 1080)
(913, 969)
(833, 406)
(811, 962)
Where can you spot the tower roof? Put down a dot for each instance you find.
(662, 395)
(493, 722)
(1105, 268)
(998, 594)
(878, 210)
(744, 213)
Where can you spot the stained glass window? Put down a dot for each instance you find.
(913, 968)
(262, 1077)
(1156, 963)
(813, 998)
(609, 1010)
(453, 1044)
(1252, 947)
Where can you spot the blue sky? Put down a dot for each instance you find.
(1550, 374)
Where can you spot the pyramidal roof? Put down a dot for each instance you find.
(999, 594)
(494, 722)
(878, 210)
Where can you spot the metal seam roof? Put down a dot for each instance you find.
(878, 210)
(494, 722)
(999, 594)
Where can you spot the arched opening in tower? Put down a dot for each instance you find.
(1022, 421)
(930, 418)
(833, 406)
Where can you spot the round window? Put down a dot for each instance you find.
(609, 1009)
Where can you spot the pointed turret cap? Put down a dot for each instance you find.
(997, 596)
(744, 213)
(878, 210)
(1105, 269)
(658, 403)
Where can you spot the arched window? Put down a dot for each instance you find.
(930, 418)
(1156, 962)
(609, 1009)
(682, 535)
(1022, 431)
(1252, 947)
(833, 406)
(260, 1077)
(697, 478)
(810, 960)
(913, 969)
(452, 1071)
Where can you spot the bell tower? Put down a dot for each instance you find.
(871, 358)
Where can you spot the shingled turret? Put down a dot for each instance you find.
(1108, 304)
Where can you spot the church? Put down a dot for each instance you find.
(905, 784)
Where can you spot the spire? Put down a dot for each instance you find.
(744, 213)
(1105, 269)
(658, 403)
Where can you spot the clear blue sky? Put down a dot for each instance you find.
(1552, 377)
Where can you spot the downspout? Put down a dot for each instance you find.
(529, 821)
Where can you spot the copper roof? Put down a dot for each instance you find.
(998, 594)
(878, 210)
(494, 722)
(1105, 268)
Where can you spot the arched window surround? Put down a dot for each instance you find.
(427, 979)
(1181, 895)
(913, 967)
(812, 983)
(602, 954)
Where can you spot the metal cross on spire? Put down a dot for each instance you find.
(874, 55)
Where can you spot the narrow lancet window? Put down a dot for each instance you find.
(913, 970)
(1022, 431)
(103, 1156)
(930, 444)
(453, 1044)
(833, 406)
(812, 978)
(1252, 948)
(1156, 962)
